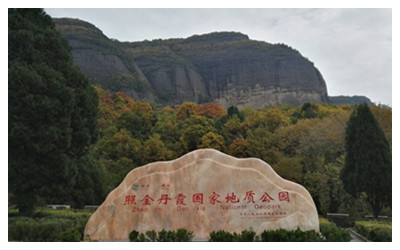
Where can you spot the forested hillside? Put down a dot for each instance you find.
(304, 144)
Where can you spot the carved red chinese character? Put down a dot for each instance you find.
(198, 198)
(266, 198)
(164, 199)
(180, 198)
(231, 198)
(129, 200)
(214, 198)
(284, 196)
(249, 196)
(146, 200)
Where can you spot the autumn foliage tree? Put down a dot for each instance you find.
(211, 110)
(186, 110)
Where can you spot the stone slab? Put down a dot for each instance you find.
(203, 191)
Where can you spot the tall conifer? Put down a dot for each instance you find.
(368, 164)
(52, 112)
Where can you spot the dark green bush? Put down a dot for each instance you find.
(274, 236)
(163, 236)
(44, 229)
(333, 233)
(247, 236)
(151, 235)
(184, 235)
(221, 236)
(282, 235)
(171, 236)
(375, 230)
(71, 235)
(48, 225)
(134, 236)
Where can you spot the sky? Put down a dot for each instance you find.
(352, 48)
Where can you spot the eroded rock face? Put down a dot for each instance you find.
(224, 67)
(203, 191)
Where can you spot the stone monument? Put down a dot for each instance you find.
(203, 191)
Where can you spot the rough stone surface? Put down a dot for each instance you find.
(224, 67)
(203, 191)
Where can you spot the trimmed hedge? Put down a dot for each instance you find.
(280, 235)
(48, 225)
(329, 232)
(223, 236)
(163, 236)
(333, 233)
(380, 231)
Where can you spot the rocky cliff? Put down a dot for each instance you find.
(224, 67)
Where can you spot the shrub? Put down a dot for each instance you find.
(134, 236)
(247, 236)
(44, 229)
(332, 233)
(184, 235)
(221, 236)
(290, 236)
(280, 235)
(48, 225)
(375, 230)
(162, 236)
(151, 235)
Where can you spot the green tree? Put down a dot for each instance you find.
(368, 164)
(212, 140)
(186, 110)
(91, 182)
(167, 127)
(239, 148)
(276, 119)
(262, 144)
(232, 128)
(336, 195)
(194, 128)
(309, 110)
(52, 112)
(120, 144)
(154, 150)
(138, 122)
(232, 110)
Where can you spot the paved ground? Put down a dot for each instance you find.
(356, 237)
